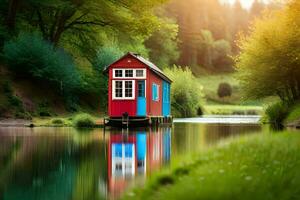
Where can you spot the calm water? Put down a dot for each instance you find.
(65, 163)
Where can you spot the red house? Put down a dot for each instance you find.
(137, 88)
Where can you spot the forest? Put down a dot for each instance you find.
(62, 46)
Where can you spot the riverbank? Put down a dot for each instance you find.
(255, 167)
(61, 121)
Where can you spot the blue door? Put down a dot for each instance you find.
(141, 100)
(166, 107)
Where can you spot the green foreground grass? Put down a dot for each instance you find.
(259, 167)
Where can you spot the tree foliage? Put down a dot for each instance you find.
(31, 56)
(163, 45)
(269, 63)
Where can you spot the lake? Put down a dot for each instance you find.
(66, 163)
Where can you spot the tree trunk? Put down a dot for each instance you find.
(12, 13)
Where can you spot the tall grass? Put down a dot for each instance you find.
(255, 167)
(277, 113)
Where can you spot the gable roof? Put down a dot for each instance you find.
(151, 66)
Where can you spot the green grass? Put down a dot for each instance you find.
(260, 167)
(74, 120)
(211, 84)
(232, 110)
(294, 114)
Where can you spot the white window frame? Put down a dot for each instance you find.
(123, 90)
(134, 73)
(116, 71)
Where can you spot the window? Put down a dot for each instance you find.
(119, 89)
(155, 92)
(119, 73)
(128, 88)
(139, 73)
(129, 73)
(123, 89)
(118, 167)
(141, 88)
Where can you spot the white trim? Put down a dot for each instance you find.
(123, 90)
(134, 73)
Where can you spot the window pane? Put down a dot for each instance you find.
(141, 89)
(118, 73)
(119, 88)
(139, 73)
(128, 89)
(129, 73)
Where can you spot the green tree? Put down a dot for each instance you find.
(163, 45)
(221, 56)
(30, 56)
(269, 62)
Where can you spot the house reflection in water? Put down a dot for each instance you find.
(136, 153)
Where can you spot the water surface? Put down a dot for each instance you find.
(70, 164)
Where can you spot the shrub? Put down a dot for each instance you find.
(31, 56)
(7, 88)
(186, 92)
(57, 121)
(43, 109)
(224, 90)
(200, 111)
(15, 101)
(83, 120)
(276, 113)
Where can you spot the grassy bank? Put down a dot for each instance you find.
(211, 84)
(232, 110)
(254, 167)
(76, 120)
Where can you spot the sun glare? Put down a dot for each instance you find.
(245, 3)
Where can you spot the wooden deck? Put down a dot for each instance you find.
(138, 121)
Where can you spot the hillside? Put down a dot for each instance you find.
(22, 98)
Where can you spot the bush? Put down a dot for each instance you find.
(83, 120)
(277, 113)
(58, 121)
(186, 92)
(43, 109)
(224, 90)
(200, 111)
(30, 56)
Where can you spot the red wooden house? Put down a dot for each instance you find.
(137, 89)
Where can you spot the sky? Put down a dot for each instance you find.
(246, 3)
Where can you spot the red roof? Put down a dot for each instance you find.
(151, 66)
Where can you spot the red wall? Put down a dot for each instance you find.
(154, 107)
(117, 107)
